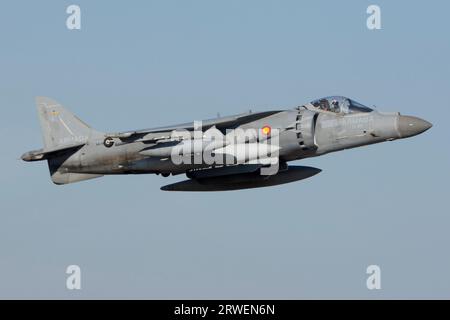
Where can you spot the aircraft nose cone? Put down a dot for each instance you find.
(410, 126)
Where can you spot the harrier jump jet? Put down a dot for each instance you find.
(75, 151)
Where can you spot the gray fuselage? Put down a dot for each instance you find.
(303, 133)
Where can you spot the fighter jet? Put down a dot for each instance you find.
(247, 150)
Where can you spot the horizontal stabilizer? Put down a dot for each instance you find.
(44, 154)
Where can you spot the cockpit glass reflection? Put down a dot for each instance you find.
(339, 104)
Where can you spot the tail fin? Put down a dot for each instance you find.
(63, 133)
(59, 126)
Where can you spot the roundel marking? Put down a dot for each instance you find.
(266, 130)
(108, 142)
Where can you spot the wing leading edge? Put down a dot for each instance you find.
(222, 123)
(243, 180)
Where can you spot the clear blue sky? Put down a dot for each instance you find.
(150, 63)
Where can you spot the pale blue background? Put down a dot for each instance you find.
(138, 64)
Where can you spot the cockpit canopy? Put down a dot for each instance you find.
(339, 104)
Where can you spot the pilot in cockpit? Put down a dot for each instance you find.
(324, 105)
(335, 106)
(340, 105)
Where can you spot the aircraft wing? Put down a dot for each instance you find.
(239, 177)
(221, 123)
